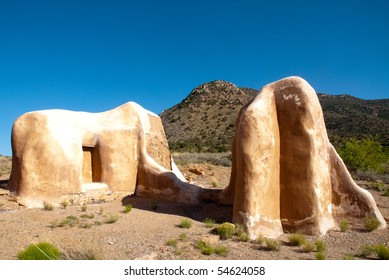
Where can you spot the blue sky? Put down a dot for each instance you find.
(95, 55)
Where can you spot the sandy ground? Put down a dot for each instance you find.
(144, 232)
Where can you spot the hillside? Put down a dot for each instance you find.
(205, 119)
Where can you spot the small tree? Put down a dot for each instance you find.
(365, 154)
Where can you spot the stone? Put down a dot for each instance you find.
(286, 175)
(57, 152)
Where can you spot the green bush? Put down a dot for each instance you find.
(221, 250)
(371, 223)
(367, 250)
(172, 242)
(209, 223)
(127, 208)
(40, 251)
(386, 192)
(320, 245)
(309, 246)
(185, 223)
(382, 252)
(183, 237)
(205, 247)
(297, 239)
(320, 256)
(225, 230)
(344, 225)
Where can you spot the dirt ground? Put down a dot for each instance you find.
(151, 229)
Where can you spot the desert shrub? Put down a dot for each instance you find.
(172, 242)
(225, 230)
(367, 250)
(127, 208)
(112, 219)
(183, 237)
(320, 256)
(378, 186)
(209, 223)
(204, 247)
(371, 223)
(185, 223)
(386, 192)
(64, 204)
(88, 216)
(382, 252)
(296, 239)
(243, 237)
(309, 246)
(84, 208)
(344, 225)
(40, 251)
(272, 244)
(221, 250)
(240, 233)
(48, 206)
(320, 245)
(68, 221)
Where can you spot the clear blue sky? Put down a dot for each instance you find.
(95, 55)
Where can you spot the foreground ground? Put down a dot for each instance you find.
(151, 229)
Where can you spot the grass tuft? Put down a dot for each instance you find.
(183, 237)
(209, 223)
(272, 244)
(40, 251)
(225, 230)
(112, 219)
(320, 256)
(297, 239)
(172, 242)
(344, 225)
(185, 223)
(48, 206)
(371, 223)
(205, 247)
(309, 246)
(64, 204)
(127, 208)
(320, 245)
(382, 252)
(221, 250)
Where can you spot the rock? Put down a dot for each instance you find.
(196, 171)
(57, 152)
(285, 173)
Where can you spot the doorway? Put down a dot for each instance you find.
(91, 168)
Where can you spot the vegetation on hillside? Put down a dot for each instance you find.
(205, 120)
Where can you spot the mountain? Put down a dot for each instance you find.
(205, 120)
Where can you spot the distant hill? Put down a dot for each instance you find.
(205, 119)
